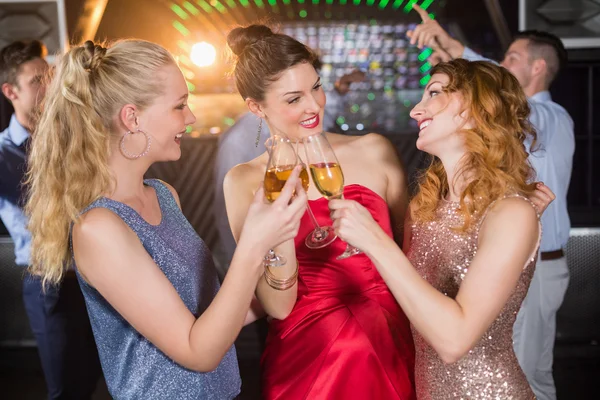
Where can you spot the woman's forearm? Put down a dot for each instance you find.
(279, 303)
(437, 317)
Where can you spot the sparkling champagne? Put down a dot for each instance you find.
(328, 179)
(276, 177)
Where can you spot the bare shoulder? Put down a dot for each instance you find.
(357, 140)
(517, 207)
(512, 214)
(97, 224)
(243, 174)
(99, 234)
(243, 179)
(377, 145)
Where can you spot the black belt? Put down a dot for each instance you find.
(552, 255)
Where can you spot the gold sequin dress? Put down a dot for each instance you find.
(490, 370)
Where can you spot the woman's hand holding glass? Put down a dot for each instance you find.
(355, 225)
(327, 174)
(268, 224)
(282, 160)
(321, 236)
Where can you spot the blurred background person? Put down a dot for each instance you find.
(57, 315)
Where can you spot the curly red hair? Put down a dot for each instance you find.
(496, 158)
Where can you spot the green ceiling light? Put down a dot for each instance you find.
(356, 2)
(220, 7)
(191, 8)
(340, 120)
(272, 2)
(426, 4)
(425, 79)
(397, 4)
(286, 2)
(244, 3)
(425, 54)
(408, 6)
(343, 2)
(329, 1)
(301, 1)
(182, 29)
(406, 103)
(185, 60)
(315, 1)
(186, 72)
(205, 6)
(425, 67)
(231, 3)
(229, 121)
(183, 45)
(179, 11)
(259, 3)
(371, 96)
(383, 4)
(302, 13)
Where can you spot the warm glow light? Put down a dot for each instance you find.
(203, 54)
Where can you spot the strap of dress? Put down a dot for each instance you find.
(514, 195)
(166, 200)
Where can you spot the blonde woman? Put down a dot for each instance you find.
(163, 328)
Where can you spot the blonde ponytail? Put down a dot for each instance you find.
(68, 163)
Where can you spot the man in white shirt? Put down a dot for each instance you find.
(534, 58)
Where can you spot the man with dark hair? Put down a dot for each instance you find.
(534, 58)
(57, 316)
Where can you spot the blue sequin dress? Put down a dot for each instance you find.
(133, 367)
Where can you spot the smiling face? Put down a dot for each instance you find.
(166, 119)
(294, 103)
(440, 117)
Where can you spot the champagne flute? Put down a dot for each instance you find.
(282, 160)
(327, 174)
(321, 236)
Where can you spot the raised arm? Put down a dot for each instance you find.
(451, 326)
(431, 34)
(111, 258)
(238, 195)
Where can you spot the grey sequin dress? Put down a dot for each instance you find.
(133, 367)
(490, 370)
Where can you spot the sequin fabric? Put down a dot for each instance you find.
(133, 367)
(490, 370)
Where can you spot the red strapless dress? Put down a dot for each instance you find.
(347, 337)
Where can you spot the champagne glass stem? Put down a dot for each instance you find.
(312, 217)
(273, 259)
(321, 236)
(350, 250)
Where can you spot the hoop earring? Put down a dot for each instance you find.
(258, 133)
(135, 156)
